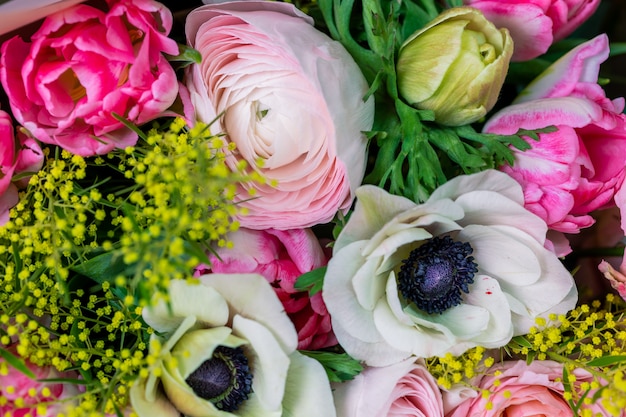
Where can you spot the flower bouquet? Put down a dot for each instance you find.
(320, 208)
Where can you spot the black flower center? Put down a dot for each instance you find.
(433, 275)
(225, 379)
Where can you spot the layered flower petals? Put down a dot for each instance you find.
(575, 169)
(223, 313)
(262, 71)
(66, 88)
(376, 322)
(535, 24)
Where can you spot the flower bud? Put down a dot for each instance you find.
(455, 66)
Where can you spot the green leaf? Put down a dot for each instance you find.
(186, 56)
(522, 341)
(617, 48)
(311, 281)
(17, 363)
(607, 360)
(338, 366)
(104, 267)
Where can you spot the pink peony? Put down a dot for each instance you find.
(23, 156)
(405, 389)
(18, 388)
(522, 390)
(281, 257)
(291, 99)
(580, 167)
(535, 24)
(83, 66)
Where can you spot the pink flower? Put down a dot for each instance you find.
(580, 167)
(405, 389)
(281, 257)
(522, 390)
(83, 66)
(18, 388)
(25, 157)
(291, 99)
(616, 278)
(535, 24)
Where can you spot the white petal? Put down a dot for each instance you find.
(340, 297)
(490, 208)
(307, 393)
(368, 285)
(204, 303)
(373, 209)
(373, 353)
(268, 361)
(489, 179)
(486, 293)
(501, 253)
(251, 296)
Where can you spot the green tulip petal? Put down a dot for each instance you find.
(184, 399)
(159, 405)
(197, 346)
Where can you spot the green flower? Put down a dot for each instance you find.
(455, 66)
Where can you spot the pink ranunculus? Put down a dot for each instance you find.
(24, 394)
(405, 389)
(535, 24)
(579, 167)
(281, 256)
(16, 156)
(522, 390)
(291, 99)
(83, 66)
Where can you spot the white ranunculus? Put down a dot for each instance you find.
(517, 279)
(229, 311)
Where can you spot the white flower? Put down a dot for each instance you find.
(368, 291)
(231, 324)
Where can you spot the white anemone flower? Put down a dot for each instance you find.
(466, 268)
(226, 348)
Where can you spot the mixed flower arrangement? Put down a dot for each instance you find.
(325, 208)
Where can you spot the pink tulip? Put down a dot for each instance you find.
(281, 256)
(522, 390)
(25, 157)
(580, 167)
(83, 66)
(291, 99)
(616, 278)
(405, 389)
(535, 24)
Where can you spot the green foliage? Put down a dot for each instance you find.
(339, 367)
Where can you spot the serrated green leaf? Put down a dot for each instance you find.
(17, 363)
(339, 367)
(311, 281)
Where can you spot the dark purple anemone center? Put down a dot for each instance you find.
(435, 274)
